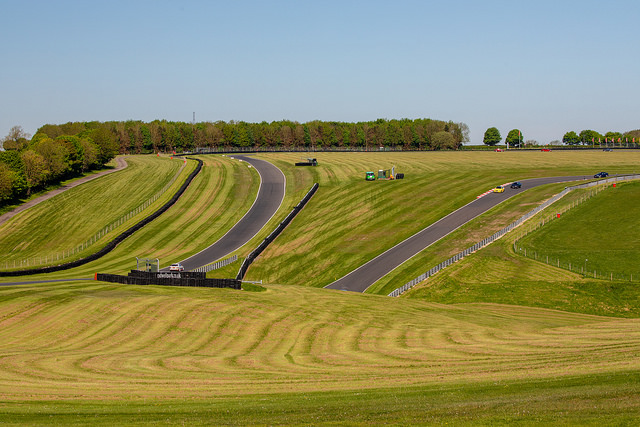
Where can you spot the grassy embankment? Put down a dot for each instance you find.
(66, 221)
(601, 236)
(117, 354)
(8, 207)
(216, 200)
(350, 221)
(496, 274)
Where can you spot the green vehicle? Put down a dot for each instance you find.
(370, 176)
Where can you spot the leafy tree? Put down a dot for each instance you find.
(147, 141)
(13, 161)
(6, 182)
(588, 137)
(55, 155)
(443, 140)
(492, 136)
(106, 143)
(307, 136)
(613, 136)
(571, 138)
(514, 138)
(89, 154)
(35, 169)
(633, 135)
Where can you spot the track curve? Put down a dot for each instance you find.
(268, 201)
(366, 275)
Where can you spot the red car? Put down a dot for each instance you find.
(546, 149)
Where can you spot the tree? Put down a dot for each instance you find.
(612, 136)
(492, 136)
(55, 156)
(89, 154)
(463, 130)
(571, 138)
(633, 135)
(6, 182)
(588, 137)
(443, 140)
(514, 138)
(106, 143)
(35, 169)
(17, 139)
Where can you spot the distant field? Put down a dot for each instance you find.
(293, 354)
(600, 235)
(350, 221)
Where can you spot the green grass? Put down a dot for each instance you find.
(121, 354)
(494, 339)
(8, 207)
(601, 234)
(69, 219)
(217, 198)
(466, 236)
(495, 274)
(606, 399)
(350, 221)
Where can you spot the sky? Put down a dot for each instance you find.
(544, 67)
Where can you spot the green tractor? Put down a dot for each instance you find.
(370, 176)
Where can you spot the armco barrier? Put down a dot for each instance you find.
(112, 244)
(262, 246)
(497, 235)
(170, 278)
(216, 265)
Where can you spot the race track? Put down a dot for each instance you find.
(268, 200)
(366, 275)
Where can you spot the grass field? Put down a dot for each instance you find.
(349, 221)
(494, 339)
(496, 274)
(601, 235)
(8, 207)
(61, 223)
(217, 198)
(125, 353)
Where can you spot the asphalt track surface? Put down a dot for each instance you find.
(269, 198)
(367, 274)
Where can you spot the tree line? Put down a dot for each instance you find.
(135, 137)
(591, 137)
(57, 152)
(586, 137)
(27, 165)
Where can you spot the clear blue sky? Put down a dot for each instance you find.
(545, 67)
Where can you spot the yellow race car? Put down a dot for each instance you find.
(498, 189)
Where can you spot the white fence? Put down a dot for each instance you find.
(497, 235)
(216, 265)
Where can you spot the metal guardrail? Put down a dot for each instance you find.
(216, 265)
(497, 235)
